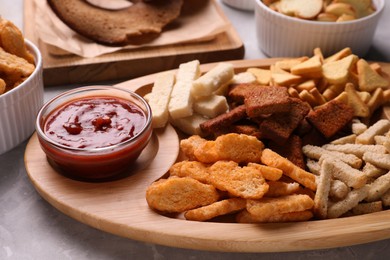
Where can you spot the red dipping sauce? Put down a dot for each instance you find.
(94, 122)
(94, 137)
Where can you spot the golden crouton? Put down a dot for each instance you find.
(179, 194)
(216, 209)
(301, 176)
(189, 145)
(267, 207)
(193, 169)
(240, 148)
(246, 217)
(245, 182)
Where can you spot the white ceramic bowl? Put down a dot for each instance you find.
(247, 5)
(280, 35)
(19, 106)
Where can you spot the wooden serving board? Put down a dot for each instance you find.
(124, 65)
(119, 207)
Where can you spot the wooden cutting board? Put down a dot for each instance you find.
(124, 65)
(120, 208)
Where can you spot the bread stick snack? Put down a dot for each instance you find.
(212, 80)
(159, 98)
(180, 104)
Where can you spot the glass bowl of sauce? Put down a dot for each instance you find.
(95, 132)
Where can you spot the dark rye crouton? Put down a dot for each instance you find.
(331, 117)
(221, 123)
(238, 92)
(267, 100)
(292, 150)
(279, 126)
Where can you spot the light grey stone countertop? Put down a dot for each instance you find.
(30, 228)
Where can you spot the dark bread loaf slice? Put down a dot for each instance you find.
(143, 20)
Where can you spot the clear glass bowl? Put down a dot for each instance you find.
(93, 164)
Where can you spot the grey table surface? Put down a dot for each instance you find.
(30, 228)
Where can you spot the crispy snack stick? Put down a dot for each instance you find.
(180, 104)
(352, 177)
(380, 160)
(379, 128)
(366, 208)
(270, 158)
(356, 149)
(216, 209)
(315, 152)
(213, 79)
(280, 188)
(269, 173)
(323, 187)
(353, 198)
(379, 187)
(268, 207)
(246, 217)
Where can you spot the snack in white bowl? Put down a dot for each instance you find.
(21, 71)
(282, 35)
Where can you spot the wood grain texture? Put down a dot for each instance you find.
(124, 65)
(120, 208)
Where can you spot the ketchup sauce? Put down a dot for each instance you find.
(95, 137)
(95, 122)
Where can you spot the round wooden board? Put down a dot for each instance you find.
(119, 207)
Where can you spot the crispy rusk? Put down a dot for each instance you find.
(189, 145)
(315, 152)
(179, 194)
(352, 177)
(301, 176)
(323, 187)
(269, 173)
(356, 149)
(369, 79)
(12, 41)
(267, 207)
(381, 160)
(246, 217)
(372, 171)
(338, 190)
(193, 169)
(353, 198)
(379, 187)
(280, 188)
(337, 72)
(235, 147)
(366, 208)
(379, 128)
(216, 209)
(245, 182)
(360, 108)
(12, 64)
(263, 76)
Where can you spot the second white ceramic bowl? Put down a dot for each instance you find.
(280, 35)
(19, 106)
